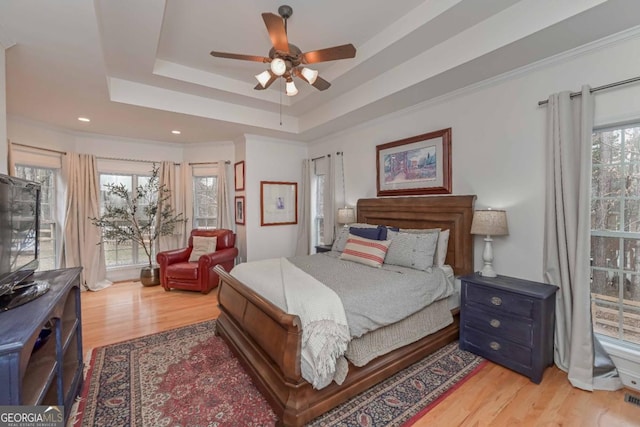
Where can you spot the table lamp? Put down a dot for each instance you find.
(489, 223)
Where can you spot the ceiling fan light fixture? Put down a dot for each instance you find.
(309, 74)
(263, 78)
(278, 66)
(292, 90)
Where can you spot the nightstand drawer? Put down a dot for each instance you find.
(499, 350)
(519, 330)
(496, 299)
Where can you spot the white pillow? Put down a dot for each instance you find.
(365, 251)
(441, 249)
(202, 245)
(413, 250)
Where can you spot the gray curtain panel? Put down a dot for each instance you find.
(567, 240)
(303, 244)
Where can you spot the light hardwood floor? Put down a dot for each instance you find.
(493, 397)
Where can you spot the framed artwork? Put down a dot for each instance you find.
(278, 203)
(239, 175)
(417, 165)
(239, 205)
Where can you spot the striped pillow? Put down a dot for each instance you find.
(365, 251)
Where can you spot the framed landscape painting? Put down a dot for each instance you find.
(414, 166)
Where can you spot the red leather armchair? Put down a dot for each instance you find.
(177, 272)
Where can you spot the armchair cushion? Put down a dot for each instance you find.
(202, 245)
(183, 271)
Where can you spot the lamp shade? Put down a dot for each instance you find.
(346, 216)
(309, 74)
(490, 222)
(263, 78)
(278, 66)
(291, 88)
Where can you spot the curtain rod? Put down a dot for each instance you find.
(596, 89)
(131, 160)
(64, 153)
(226, 162)
(327, 155)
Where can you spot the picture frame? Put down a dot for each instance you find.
(239, 210)
(278, 203)
(415, 166)
(238, 169)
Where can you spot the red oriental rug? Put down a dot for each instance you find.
(189, 377)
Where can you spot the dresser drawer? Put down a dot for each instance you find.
(508, 302)
(499, 350)
(495, 323)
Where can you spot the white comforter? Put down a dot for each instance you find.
(325, 333)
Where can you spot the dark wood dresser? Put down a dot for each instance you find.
(508, 321)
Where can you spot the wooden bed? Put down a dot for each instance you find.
(267, 340)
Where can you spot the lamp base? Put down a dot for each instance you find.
(487, 257)
(488, 271)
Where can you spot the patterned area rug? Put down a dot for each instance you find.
(189, 377)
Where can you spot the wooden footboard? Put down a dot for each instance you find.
(267, 341)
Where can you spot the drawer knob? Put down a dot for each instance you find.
(494, 345)
(495, 323)
(496, 300)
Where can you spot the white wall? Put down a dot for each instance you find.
(240, 146)
(498, 143)
(212, 151)
(270, 160)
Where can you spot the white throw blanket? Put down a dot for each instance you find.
(325, 333)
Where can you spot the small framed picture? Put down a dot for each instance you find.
(278, 203)
(239, 175)
(239, 210)
(417, 165)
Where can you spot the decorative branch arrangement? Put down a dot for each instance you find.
(142, 217)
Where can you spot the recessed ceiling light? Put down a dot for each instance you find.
(176, 132)
(84, 119)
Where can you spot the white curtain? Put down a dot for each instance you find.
(330, 206)
(303, 245)
(567, 240)
(11, 164)
(170, 178)
(81, 239)
(225, 206)
(186, 174)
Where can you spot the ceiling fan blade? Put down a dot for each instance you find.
(329, 54)
(240, 56)
(269, 82)
(321, 84)
(277, 31)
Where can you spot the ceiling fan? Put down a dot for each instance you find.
(287, 60)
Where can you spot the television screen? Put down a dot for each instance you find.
(19, 230)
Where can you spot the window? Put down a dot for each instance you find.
(615, 233)
(318, 210)
(205, 202)
(48, 228)
(123, 253)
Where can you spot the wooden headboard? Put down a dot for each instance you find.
(445, 212)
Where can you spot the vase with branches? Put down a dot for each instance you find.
(140, 217)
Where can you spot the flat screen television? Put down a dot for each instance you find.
(19, 231)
